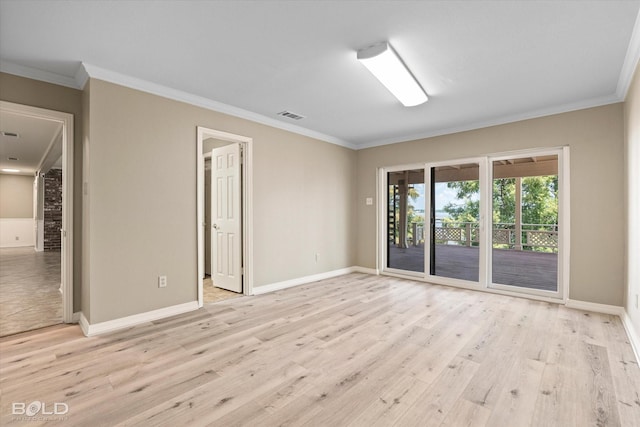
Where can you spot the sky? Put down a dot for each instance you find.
(444, 195)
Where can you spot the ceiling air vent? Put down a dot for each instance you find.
(12, 158)
(11, 134)
(290, 115)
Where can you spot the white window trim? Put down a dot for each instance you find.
(484, 284)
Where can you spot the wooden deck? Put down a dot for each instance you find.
(533, 270)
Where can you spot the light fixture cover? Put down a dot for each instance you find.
(386, 65)
(11, 170)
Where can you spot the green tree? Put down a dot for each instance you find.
(469, 211)
(539, 201)
(504, 200)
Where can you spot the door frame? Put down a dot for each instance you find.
(246, 145)
(482, 250)
(563, 221)
(66, 254)
(486, 176)
(382, 237)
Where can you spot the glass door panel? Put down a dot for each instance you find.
(405, 220)
(525, 223)
(455, 221)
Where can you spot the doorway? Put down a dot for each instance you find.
(37, 277)
(525, 228)
(455, 240)
(496, 223)
(405, 220)
(224, 188)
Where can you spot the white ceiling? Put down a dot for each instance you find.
(36, 140)
(481, 62)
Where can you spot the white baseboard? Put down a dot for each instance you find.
(366, 270)
(136, 319)
(76, 317)
(634, 338)
(259, 290)
(84, 324)
(595, 307)
(632, 334)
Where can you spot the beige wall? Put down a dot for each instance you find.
(309, 195)
(595, 137)
(35, 93)
(632, 153)
(142, 201)
(16, 196)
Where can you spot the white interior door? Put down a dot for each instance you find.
(226, 220)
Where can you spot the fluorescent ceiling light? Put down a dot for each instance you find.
(386, 65)
(11, 170)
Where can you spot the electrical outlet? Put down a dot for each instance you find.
(162, 281)
(368, 201)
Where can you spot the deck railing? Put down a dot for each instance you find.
(536, 237)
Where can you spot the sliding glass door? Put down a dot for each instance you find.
(494, 221)
(455, 221)
(405, 220)
(525, 223)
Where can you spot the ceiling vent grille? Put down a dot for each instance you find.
(290, 115)
(9, 134)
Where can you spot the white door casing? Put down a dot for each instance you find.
(67, 261)
(226, 218)
(207, 217)
(246, 144)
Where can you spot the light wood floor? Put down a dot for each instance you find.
(29, 289)
(357, 350)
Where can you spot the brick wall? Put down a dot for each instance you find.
(52, 210)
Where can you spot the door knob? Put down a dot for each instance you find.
(215, 226)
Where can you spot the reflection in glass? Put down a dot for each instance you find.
(455, 219)
(405, 221)
(525, 222)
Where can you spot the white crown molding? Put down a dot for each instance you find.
(630, 61)
(86, 71)
(199, 101)
(36, 74)
(82, 77)
(565, 108)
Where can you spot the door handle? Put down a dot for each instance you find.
(215, 226)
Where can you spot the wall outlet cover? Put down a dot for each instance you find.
(162, 281)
